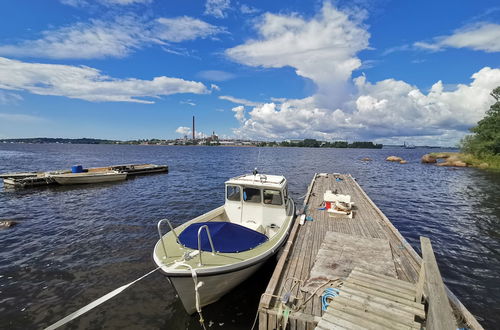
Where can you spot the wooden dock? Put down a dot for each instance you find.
(325, 250)
(36, 179)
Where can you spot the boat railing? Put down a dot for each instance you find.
(161, 235)
(199, 242)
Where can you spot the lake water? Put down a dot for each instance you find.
(74, 244)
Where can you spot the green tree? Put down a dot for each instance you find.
(486, 140)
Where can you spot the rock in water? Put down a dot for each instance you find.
(7, 223)
(367, 159)
(394, 159)
(403, 162)
(428, 159)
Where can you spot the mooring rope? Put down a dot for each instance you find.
(96, 303)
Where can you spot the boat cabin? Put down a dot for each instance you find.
(258, 202)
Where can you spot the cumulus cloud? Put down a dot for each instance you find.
(382, 110)
(480, 36)
(239, 113)
(217, 8)
(183, 130)
(85, 83)
(118, 38)
(324, 49)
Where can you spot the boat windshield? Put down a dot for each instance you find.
(233, 193)
(272, 197)
(251, 195)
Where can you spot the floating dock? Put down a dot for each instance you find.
(36, 179)
(375, 278)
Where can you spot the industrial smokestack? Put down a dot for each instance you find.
(193, 129)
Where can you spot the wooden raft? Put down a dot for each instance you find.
(300, 252)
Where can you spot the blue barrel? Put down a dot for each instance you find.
(77, 169)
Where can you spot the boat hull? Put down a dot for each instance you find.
(66, 179)
(213, 288)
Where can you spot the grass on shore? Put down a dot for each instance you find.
(489, 161)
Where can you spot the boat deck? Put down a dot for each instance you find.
(305, 241)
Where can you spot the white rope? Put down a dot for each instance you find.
(96, 303)
(197, 285)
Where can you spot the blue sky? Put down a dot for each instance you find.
(387, 71)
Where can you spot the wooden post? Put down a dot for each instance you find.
(420, 284)
(440, 315)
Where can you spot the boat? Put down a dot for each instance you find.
(88, 177)
(208, 256)
(408, 146)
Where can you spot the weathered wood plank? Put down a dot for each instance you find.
(335, 320)
(419, 290)
(440, 314)
(388, 303)
(398, 316)
(397, 296)
(382, 287)
(263, 320)
(360, 321)
(381, 277)
(389, 323)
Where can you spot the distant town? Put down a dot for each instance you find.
(212, 140)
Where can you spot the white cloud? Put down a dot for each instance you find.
(480, 36)
(324, 49)
(183, 29)
(239, 101)
(216, 75)
(183, 130)
(239, 113)
(383, 110)
(9, 98)
(188, 102)
(245, 9)
(83, 3)
(214, 87)
(88, 83)
(118, 38)
(217, 8)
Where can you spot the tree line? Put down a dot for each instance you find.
(485, 142)
(313, 143)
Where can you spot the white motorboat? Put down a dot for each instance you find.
(208, 256)
(88, 177)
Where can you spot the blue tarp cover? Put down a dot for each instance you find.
(227, 237)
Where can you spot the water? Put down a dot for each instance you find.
(74, 244)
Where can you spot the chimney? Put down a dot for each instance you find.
(193, 129)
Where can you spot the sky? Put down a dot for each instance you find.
(418, 72)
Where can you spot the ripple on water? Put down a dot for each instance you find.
(74, 244)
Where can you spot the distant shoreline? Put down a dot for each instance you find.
(229, 143)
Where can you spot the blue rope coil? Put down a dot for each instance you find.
(329, 293)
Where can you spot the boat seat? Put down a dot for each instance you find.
(227, 237)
